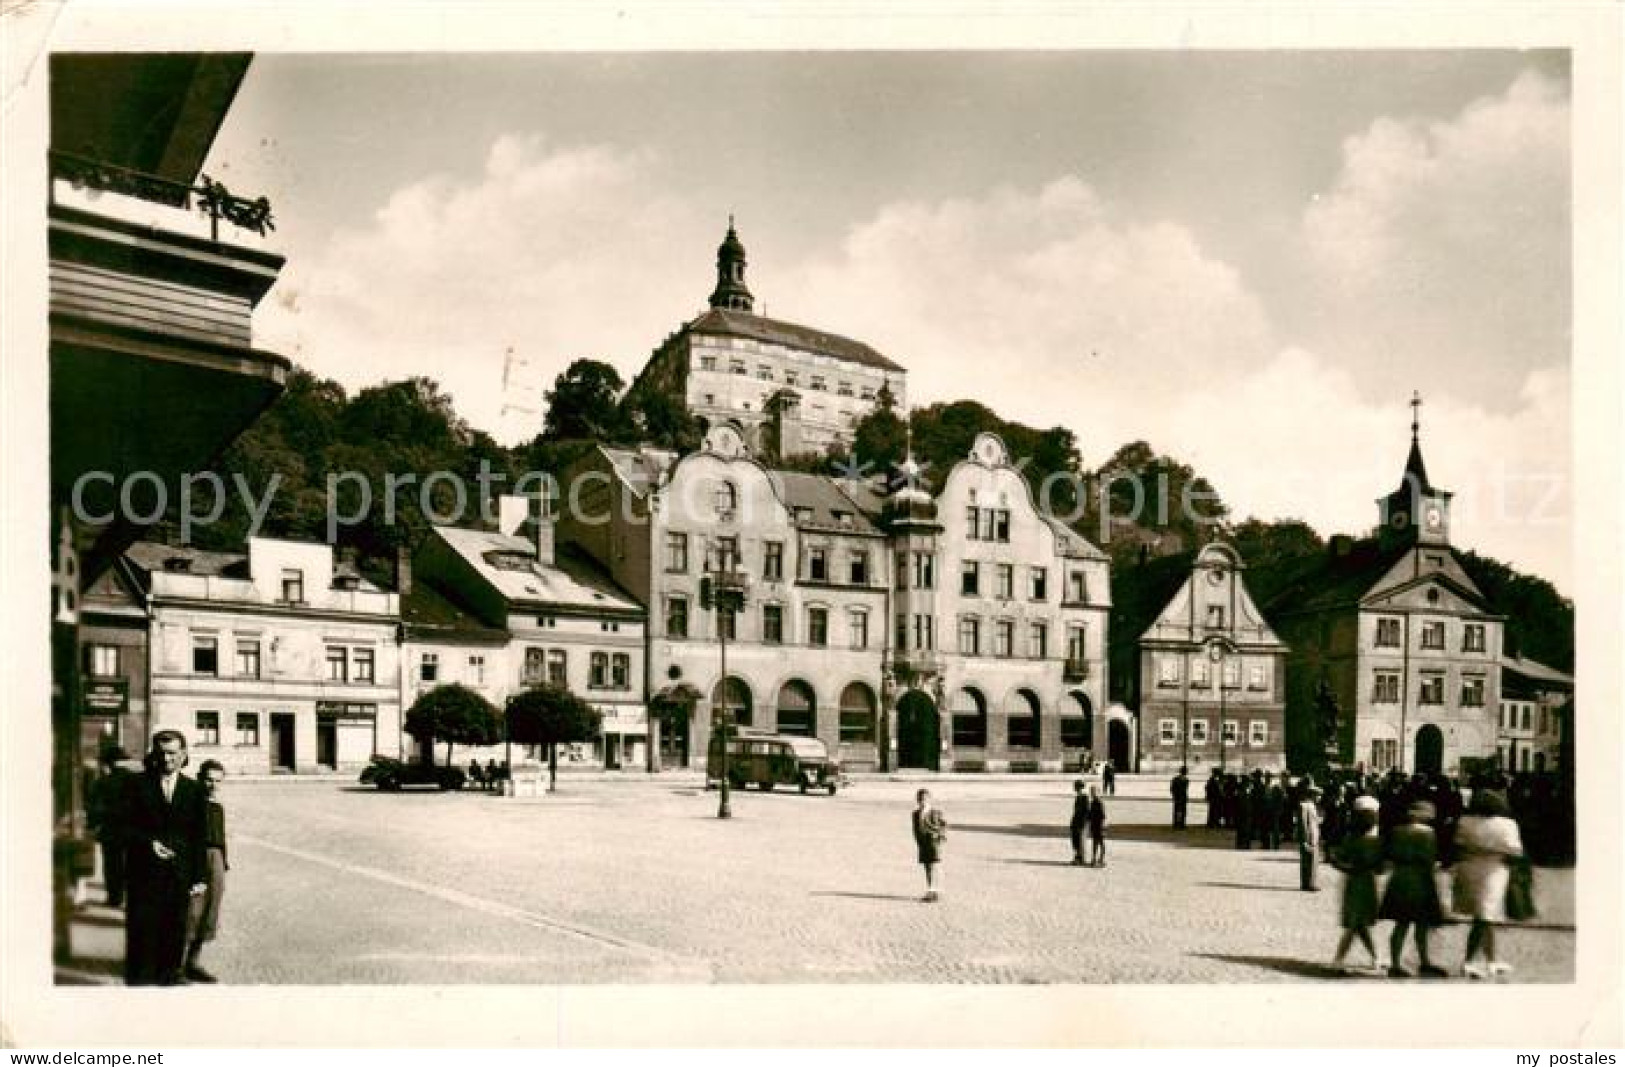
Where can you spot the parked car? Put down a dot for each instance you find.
(769, 760)
(390, 774)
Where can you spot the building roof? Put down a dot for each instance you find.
(1324, 581)
(724, 323)
(150, 557)
(430, 615)
(571, 583)
(640, 468)
(1537, 674)
(815, 501)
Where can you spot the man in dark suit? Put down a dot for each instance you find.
(165, 821)
(1080, 819)
(1180, 787)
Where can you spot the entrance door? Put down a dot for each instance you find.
(918, 741)
(1429, 750)
(1119, 746)
(327, 743)
(281, 741)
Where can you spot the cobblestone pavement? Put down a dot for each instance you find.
(637, 881)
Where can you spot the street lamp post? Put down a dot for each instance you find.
(1218, 651)
(723, 588)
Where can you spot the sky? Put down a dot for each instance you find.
(1248, 259)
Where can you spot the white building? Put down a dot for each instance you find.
(277, 660)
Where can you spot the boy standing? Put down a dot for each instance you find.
(930, 828)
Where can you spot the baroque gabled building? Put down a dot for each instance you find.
(1201, 664)
(786, 389)
(1395, 652)
(861, 625)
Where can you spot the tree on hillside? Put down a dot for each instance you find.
(454, 714)
(1264, 544)
(660, 419)
(551, 715)
(584, 403)
(881, 437)
(1540, 620)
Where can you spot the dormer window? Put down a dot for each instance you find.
(293, 587)
(843, 518)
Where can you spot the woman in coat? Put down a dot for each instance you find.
(1360, 857)
(1486, 839)
(1412, 897)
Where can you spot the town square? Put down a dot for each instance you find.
(712, 517)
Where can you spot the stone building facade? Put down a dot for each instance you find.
(280, 660)
(786, 389)
(1212, 675)
(1393, 649)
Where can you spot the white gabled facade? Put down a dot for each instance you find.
(277, 661)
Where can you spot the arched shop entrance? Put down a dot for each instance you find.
(918, 732)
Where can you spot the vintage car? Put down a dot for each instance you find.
(769, 760)
(390, 774)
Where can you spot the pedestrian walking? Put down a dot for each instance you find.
(930, 830)
(1213, 792)
(1097, 828)
(1180, 788)
(164, 862)
(1487, 841)
(203, 919)
(1360, 858)
(1108, 777)
(1080, 819)
(1306, 830)
(1412, 897)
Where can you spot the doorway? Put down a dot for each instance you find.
(1119, 745)
(282, 742)
(918, 732)
(327, 743)
(1429, 750)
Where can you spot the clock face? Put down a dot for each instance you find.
(1434, 517)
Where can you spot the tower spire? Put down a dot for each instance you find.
(1416, 405)
(731, 293)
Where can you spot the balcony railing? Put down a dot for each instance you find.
(210, 197)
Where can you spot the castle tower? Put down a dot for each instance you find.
(731, 293)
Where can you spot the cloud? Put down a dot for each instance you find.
(1047, 305)
(1439, 257)
(556, 252)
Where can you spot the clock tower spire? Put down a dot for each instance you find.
(730, 293)
(1416, 512)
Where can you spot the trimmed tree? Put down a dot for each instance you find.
(456, 715)
(551, 715)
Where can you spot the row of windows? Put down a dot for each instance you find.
(1516, 716)
(429, 668)
(772, 624)
(1170, 671)
(764, 372)
(817, 560)
(345, 663)
(970, 730)
(1258, 732)
(605, 670)
(1385, 689)
(1004, 580)
(206, 726)
(1003, 633)
(1431, 635)
(987, 524)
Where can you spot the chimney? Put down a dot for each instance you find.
(511, 514)
(544, 531)
(403, 570)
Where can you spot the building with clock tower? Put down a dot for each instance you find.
(1394, 650)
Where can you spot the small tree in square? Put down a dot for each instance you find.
(456, 715)
(551, 715)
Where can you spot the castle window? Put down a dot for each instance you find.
(818, 383)
(792, 377)
(866, 393)
(708, 362)
(736, 366)
(764, 372)
(843, 389)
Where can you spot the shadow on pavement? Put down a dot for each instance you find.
(1193, 837)
(1278, 964)
(1244, 885)
(862, 896)
(1046, 863)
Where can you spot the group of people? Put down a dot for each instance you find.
(163, 842)
(490, 777)
(1487, 854)
(1260, 807)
